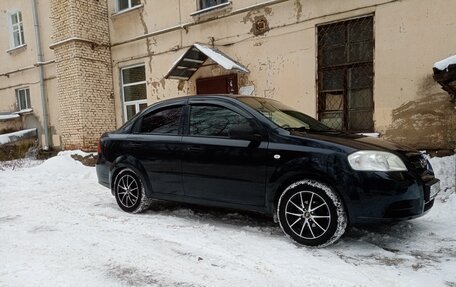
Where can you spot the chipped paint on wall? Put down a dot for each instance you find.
(250, 16)
(158, 87)
(282, 61)
(298, 7)
(260, 25)
(149, 41)
(181, 85)
(425, 123)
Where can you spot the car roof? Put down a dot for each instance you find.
(212, 96)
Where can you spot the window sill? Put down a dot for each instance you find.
(210, 11)
(125, 11)
(24, 111)
(17, 49)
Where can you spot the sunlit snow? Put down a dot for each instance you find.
(59, 227)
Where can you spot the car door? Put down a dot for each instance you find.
(218, 166)
(156, 144)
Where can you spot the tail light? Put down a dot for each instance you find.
(99, 148)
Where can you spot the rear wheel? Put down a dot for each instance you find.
(311, 213)
(129, 192)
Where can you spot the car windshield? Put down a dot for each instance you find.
(284, 116)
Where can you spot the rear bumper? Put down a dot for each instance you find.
(382, 197)
(103, 175)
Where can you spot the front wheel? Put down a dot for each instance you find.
(129, 192)
(311, 213)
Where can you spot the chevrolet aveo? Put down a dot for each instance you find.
(258, 154)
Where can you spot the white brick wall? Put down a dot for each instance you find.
(84, 71)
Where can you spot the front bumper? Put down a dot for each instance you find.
(383, 197)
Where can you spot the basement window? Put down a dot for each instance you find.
(127, 4)
(23, 99)
(210, 3)
(16, 30)
(210, 6)
(134, 91)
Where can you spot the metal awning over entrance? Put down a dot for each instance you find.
(194, 58)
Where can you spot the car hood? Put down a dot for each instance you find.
(354, 141)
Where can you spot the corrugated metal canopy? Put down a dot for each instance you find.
(194, 58)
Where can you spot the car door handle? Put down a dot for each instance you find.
(133, 144)
(195, 148)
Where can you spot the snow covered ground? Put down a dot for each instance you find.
(58, 227)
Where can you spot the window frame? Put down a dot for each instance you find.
(16, 27)
(234, 109)
(200, 11)
(138, 125)
(201, 6)
(130, 6)
(347, 67)
(135, 103)
(27, 98)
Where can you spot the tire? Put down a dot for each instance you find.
(311, 213)
(129, 192)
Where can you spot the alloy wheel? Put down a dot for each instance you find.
(307, 215)
(128, 191)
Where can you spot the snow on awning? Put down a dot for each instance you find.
(445, 63)
(194, 58)
(445, 75)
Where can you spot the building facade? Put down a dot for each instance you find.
(359, 66)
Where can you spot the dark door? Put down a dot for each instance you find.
(217, 85)
(156, 144)
(218, 167)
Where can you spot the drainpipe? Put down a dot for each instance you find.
(39, 58)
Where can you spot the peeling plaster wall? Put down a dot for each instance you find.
(409, 106)
(410, 35)
(26, 58)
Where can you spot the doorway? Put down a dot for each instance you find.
(226, 84)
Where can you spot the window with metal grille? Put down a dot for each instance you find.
(209, 3)
(345, 74)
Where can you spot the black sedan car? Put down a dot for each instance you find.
(257, 154)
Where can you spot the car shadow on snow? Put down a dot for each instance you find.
(410, 244)
(385, 236)
(214, 214)
(406, 243)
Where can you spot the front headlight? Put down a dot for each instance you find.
(367, 160)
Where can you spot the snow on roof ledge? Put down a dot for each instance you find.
(11, 137)
(8, 117)
(444, 64)
(14, 115)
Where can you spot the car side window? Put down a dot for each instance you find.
(163, 121)
(208, 120)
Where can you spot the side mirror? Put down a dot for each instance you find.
(246, 132)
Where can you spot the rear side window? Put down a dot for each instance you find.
(163, 121)
(206, 120)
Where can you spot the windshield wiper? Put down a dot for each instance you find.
(308, 129)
